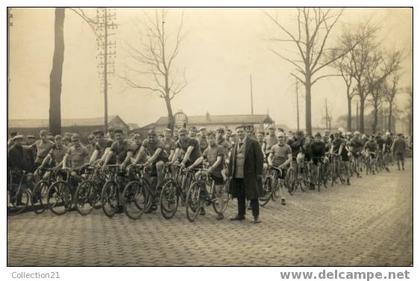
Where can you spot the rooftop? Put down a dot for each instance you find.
(222, 119)
(43, 123)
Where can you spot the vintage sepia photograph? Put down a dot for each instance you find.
(209, 136)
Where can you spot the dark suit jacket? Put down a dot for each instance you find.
(253, 167)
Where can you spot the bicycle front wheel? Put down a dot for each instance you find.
(290, 181)
(169, 199)
(221, 199)
(134, 199)
(59, 198)
(193, 202)
(83, 198)
(40, 197)
(266, 196)
(109, 198)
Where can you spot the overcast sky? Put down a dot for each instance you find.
(221, 49)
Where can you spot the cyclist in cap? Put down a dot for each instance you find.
(118, 151)
(168, 143)
(193, 132)
(187, 145)
(76, 155)
(270, 139)
(202, 139)
(102, 146)
(280, 157)
(43, 147)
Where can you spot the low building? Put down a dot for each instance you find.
(83, 126)
(212, 122)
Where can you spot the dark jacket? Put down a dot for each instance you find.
(20, 158)
(253, 167)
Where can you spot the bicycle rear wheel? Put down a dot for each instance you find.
(21, 201)
(169, 199)
(59, 198)
(193, 202)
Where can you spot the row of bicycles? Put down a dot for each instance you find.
(135, 192)
(132, 191)
(330, 170)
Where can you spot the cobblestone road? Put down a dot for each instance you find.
(367, 223)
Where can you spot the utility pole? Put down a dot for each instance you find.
(252, 98)
(106, 52)
(297, 106)
(327, 117)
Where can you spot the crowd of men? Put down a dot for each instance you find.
(190, 148)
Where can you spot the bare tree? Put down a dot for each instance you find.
(152, 67)
(381, 66)
(57, 73)
(345, 68)
(361, 57)
(313, 28)
(390, 92)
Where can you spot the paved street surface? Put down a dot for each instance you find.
(366, 224)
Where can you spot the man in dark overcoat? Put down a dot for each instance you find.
(245, 170)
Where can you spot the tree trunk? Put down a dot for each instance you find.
(171, 121)
(362, 116)
(56, 73)
(308, 104)
(375, 117)
(390, 117)
(348, 111)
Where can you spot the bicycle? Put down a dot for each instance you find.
(111, 195)
(61, 194)
(297, 176)
(337, 169)
(370, 162)
(174, 190)
(136, 194)
(19, 195)
(271, 186)
(202, 192)
(88, 192)
(40, 192)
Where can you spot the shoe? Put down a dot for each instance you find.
(256, 220)
(237, 218)
(249, 208)
(283, 201)
(119, 210)
(202, 212)
(220, 217)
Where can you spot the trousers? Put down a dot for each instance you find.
(255, 206)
